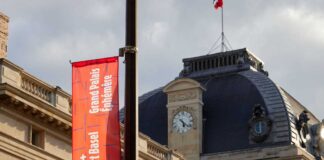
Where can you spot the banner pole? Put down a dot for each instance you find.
(131, 101)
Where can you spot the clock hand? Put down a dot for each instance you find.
(183, 123)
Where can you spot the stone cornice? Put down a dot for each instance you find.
(7, 63)
(20, 79)
(182, 84)
(35, 107)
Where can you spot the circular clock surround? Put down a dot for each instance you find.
(260, 129)
(182, 122)
(259, 124)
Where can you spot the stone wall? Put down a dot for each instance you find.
(14, 127)
(58, 147)
(8, 156)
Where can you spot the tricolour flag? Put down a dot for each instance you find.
(218, 3)
(95, 117)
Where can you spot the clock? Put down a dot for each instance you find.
(260, 129)
(259, 124)
(182, 122)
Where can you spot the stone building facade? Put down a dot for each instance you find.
(35, 120)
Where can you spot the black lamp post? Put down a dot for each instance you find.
(131, 101)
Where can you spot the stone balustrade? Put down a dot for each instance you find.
(149, 149)
(17, 77)
(157, 151)
(42, 91)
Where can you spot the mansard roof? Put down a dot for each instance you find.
(234, 83)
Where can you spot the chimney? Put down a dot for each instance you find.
(4, 20)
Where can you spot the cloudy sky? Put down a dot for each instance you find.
(288, 35)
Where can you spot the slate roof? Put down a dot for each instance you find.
(230, 94)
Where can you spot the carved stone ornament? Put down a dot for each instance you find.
(182, 96)
(302, 128)
(259, 125)
(315, 140)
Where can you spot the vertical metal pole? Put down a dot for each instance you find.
(223, 36)
(131, 104)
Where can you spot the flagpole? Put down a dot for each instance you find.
(223, 36)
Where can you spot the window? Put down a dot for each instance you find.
(37, 137)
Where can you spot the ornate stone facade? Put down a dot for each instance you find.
(185, 117)
(181, 96)
(4, 20)
(35, 117)
(35, 120)
(33, 125)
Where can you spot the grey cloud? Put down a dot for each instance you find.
(45, 35)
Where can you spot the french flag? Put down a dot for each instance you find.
(218, 3)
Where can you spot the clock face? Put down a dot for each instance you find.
(182, 122)
(259, 127)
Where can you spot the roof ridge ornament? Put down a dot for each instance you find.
(311, 135)
(302, 128)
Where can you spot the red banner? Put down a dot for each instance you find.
(95, 117)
